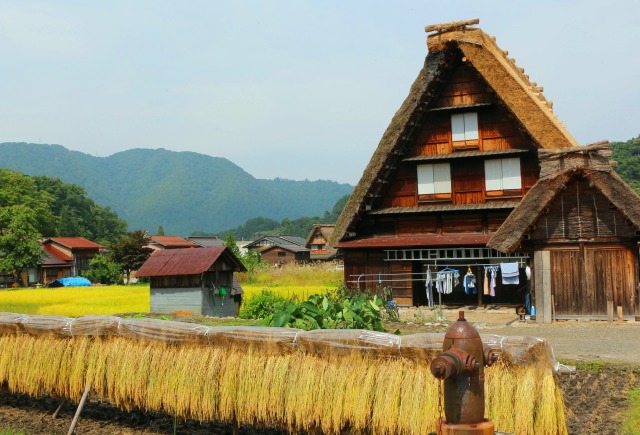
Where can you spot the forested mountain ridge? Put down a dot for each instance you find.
(182, 191)
(627, 156)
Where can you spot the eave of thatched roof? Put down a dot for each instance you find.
(511, 233)
(522, 97)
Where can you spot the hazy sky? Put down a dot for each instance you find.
(289, 89)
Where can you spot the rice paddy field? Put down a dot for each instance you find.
(76, 301)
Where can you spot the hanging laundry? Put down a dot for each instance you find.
(429, 288)
(469, 282)
(490, 280)
(486, 283)
(445, 281)
(510, 273)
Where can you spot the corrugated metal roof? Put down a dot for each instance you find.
(173, 242)
(464, 154)
(206, 242)
(74, 242)
(426, 240)
(184, 261)
(289, 247)
(492, 205)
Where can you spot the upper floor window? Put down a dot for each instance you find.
(464, 130)
(434, 179)
(501, 175)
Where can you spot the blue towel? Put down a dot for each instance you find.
(510, 273)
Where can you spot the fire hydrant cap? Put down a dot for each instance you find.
(461, 329)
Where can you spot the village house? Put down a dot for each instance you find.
(280, 250)
(64, 257)
(158, 243)
(457, 159)
(198, 281)
(317, 243)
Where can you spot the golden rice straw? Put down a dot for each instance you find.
(294, 390)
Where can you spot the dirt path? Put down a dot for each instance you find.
(571, 340)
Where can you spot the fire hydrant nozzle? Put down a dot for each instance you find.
(453, 362)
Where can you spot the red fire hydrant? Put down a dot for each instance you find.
(461, 366)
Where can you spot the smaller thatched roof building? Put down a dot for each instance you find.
(558, 170)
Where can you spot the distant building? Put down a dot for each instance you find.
(170, 242)
(199, 281)
(317, 242)
(281, 250)
(64, 257)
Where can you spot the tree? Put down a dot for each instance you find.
(103, 270)
(130, 251)
(19, 189)
(77, 215)
(231, 244)
(160, 231)
(19, 247)
(250, 260)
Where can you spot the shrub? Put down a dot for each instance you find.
(262, 305)
(356, 311)
(103, 270)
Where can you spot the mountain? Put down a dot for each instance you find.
(182, 191)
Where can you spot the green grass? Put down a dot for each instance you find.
(631, 424)
(12, 431)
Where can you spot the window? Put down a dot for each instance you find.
(434, 179)
(282, 254)
(464, 127)
(501, 175)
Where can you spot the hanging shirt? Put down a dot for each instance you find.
(469, 282)
(429, 288)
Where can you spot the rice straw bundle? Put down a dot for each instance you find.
(313, 392)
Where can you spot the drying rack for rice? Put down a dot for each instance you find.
(323, 380)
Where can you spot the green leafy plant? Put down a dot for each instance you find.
(361, 311)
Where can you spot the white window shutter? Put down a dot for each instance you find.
(493, 175)
(511, 178)
(471, 126)
(425, 179)
(457, 127)
(442, 178)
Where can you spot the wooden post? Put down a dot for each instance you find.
(76, 417)
(620, 314)
(55, 414)
(610, 311)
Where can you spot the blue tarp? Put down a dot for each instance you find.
(74, 281)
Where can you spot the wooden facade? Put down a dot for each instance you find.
(282, 255)
(458, 157)
(589, 249)
(468, 208)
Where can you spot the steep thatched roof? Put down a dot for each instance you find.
(453, 42)
(590, 162)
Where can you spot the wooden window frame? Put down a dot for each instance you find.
(471, 136)
(433, 196)
(504, 193)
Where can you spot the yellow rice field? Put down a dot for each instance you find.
(302, 292)
(76, 301)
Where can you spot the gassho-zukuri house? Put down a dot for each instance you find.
(477, 194)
